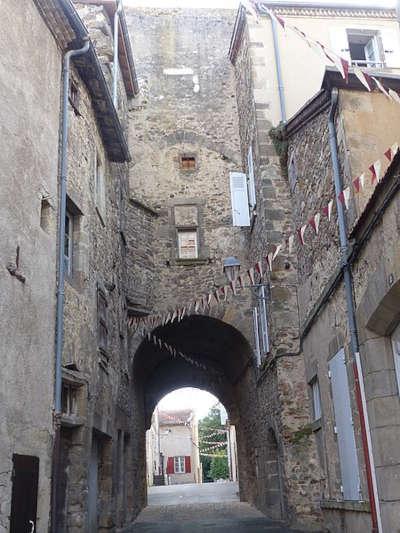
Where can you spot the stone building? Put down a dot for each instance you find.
(162, 187)
(179, 446)
(374, 262)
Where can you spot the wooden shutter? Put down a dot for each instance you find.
(170, 465)
(344, 427)
(391, 47)
(187, 464)
(340, 42)
(239, 198)
(251, 183)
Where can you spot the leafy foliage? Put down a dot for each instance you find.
(213, 441)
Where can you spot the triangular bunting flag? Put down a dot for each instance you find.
(375, 171)
(250, 273)
(344, 197)
(314, 222)
(259, 269)
(240, 280)
(363, 77)
(300, 233)
(224, 292)
(269, 259)
(381, 87)
(327, 210)
(277, 250)
(358, 183)
(290, 243)
(232, 285)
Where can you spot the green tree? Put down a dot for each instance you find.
(219, 468)
(212, 441)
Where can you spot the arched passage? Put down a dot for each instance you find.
(223, 354)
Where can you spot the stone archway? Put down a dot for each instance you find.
(219, 347)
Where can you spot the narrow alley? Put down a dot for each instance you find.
(195, 508)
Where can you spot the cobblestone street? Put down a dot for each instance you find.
(210, 507)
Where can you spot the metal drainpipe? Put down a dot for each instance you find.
(61, 272)
(279, 70)
(352, 324)
(115, 66)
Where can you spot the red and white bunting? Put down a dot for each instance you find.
(327, 210)
(276, 251)
(183, 312)
(358, 183)
(174, 315)
(300, 233)
(217, 296)
(314, 222)
(381, 87)
(259, 268)
(250, 273)
(394, 96)
(224, 292)
(364, 78)
(269, 259)
(392, 151)
(344, 197)
(375, 170)
(209, 298)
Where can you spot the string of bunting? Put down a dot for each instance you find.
(162, 345)
(303, 233)
(211, 448)
(343, 65)
(213, 455)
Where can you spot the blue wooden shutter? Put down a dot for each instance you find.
(239, 198)
(344, 427)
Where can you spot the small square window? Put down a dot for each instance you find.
(188, 162)
(187, 244)
(365, 48)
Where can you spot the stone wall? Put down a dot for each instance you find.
(324, 322)
(283, 466)
(28, 218)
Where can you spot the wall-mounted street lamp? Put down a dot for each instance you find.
(231, 268)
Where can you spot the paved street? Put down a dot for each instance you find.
(213, 507)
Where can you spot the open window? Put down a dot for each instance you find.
(365, 48)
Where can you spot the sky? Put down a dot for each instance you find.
(200, 400)
(234, 3)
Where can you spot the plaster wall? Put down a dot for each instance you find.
(28, 162)
(297, 57)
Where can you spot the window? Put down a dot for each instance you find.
(239, 199)
(187, 244)
(250, 180)
(188, 162)
(396, 354)
(45, 212)
(316, 399)
(69, 228)
(179, 464)
(99, 187)
(365, 48)
(68, 399)
(102, 329)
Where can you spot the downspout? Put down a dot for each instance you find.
(115, 65)
(61, 271)
(279, 70)
(351, 318)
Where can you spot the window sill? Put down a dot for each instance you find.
(346, 505)
(316, 425)
(71, 421)
(191, 262)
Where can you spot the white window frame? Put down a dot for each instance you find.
(374, 37)
(316, 399)
(395, 338)
(256, 336)
(179, 464)
(183, 231)
(68, 246)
